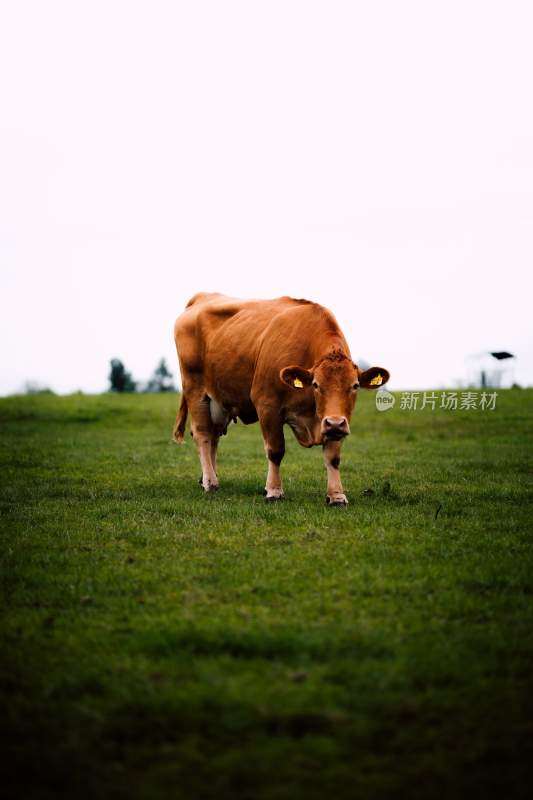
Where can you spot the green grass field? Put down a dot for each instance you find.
(156, 642)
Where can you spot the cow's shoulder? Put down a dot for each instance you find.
(301, 318)
(295, 301)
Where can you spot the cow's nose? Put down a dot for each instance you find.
(335, 426)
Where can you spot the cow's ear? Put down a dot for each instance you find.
(373, 378)
(296, 377)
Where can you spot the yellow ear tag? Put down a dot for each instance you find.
(298, 384)
(376, 381)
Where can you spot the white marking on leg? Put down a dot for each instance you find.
(335, 492)
(274, 486)
(209, 478)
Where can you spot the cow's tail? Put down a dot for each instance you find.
(181, 421)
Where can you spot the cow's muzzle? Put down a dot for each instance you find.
(335, 428)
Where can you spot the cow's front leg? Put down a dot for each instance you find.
(272, 428)
(332, 459)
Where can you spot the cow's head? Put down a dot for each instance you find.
(334, 380)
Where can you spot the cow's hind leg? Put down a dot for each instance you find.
(214, 449)
(332, 459)
(272, 428)
(204, 438)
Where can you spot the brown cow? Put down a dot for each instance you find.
(277, 361)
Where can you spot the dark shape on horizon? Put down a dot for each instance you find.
(161, 380)
(119, 379)
(491, 369)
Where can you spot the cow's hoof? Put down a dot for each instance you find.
(336, 501)
(273, 497)
(211, 487)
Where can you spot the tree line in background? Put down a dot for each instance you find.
(120, 380)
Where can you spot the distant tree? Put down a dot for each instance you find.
(161, 380)
(119, 379)
(33, 387)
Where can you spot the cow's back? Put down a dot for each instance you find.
(215, 327)
(218, 341)
(238, 347)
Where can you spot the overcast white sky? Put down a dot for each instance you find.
(374, 156)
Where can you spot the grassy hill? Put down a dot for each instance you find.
(156, 642)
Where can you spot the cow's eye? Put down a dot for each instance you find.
(315, 385)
